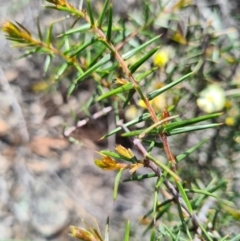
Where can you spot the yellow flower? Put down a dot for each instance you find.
(228, 104)
(158, 103)
(237, 139)
(230, 121)
(161, 58)
(132, 112)
(141, 103)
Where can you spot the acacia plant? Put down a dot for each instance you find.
(144, 95)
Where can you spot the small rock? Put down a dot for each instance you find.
(50, 212)
(4, 128)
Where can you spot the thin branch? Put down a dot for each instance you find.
(67, 132)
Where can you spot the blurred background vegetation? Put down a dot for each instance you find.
(193, 33)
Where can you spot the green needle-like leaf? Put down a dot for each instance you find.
(209, 189)
(156, 93)
(101, 17)
(71, 89)
(138, 132)
(116, 184)
(135, 66)
(90, 12)
(95, 59)
(153, 235)
(145, 74)
(194, 190)
(116, 91)
(106, 237)
(159, 182)
(183, 123)
(159, 206)
(80, 29)
(111, 154)
(23, 28)
(139, 48)
(192, 128)
(155, 202)
(151, 146)
(109, 30)
(47, 63)
(49, 35)
(160, 214)
(140, 177)
(169, 232)
(163, 167)
(184, 196)
(129, 97)
(181, 214)
(139, 119)
(39, 30)
(82, 47)
(101, 62)
(117, 156)
(178, 236)
(28, 53)
(79, 69)
(61, 70)
(107, 44)
(127, 231)
(205, 232)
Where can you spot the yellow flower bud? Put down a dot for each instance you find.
(124, 151)
(109, 164)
